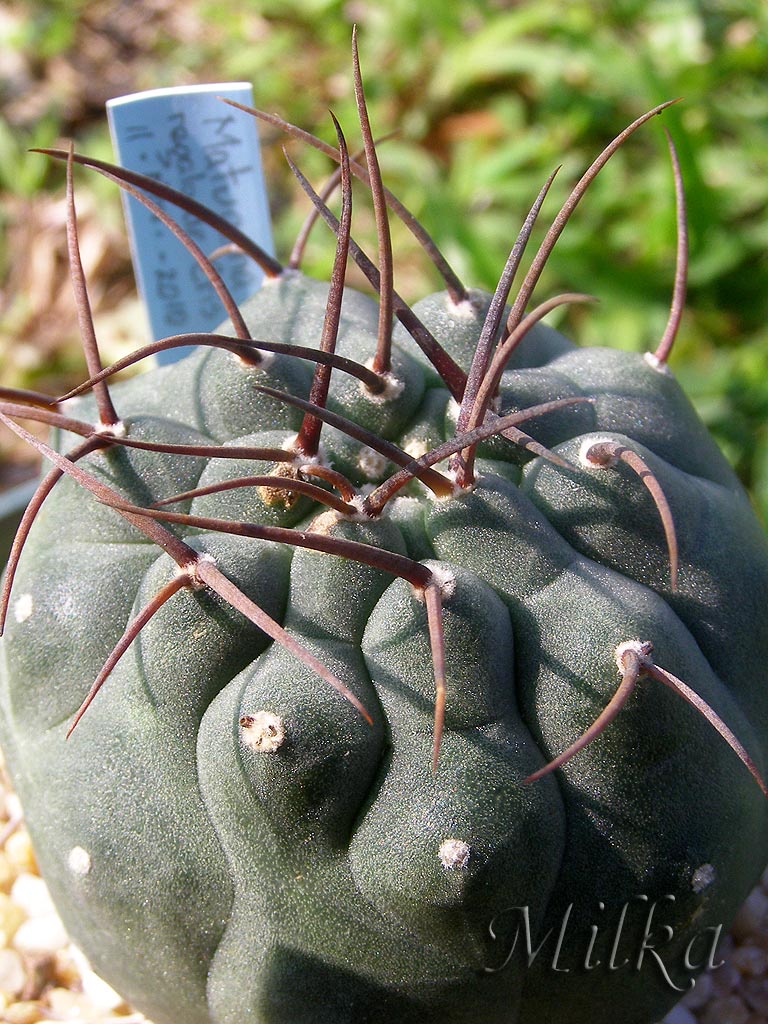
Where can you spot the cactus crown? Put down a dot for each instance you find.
(299, 468)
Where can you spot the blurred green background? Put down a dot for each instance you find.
(487, 99)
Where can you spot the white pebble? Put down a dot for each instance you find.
(679, 1016)
(13, 977)
(752, 918)
(99, 992)
(31, 893)
(65, 1004)
(726, 947)
(726, 1011)
(755, 991)
(13, 809)
(726, 978)
(41, 935)
(750, 960)
(102, 995)
(701, 992)
(11, 917)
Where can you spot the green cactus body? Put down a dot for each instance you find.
(230, 840)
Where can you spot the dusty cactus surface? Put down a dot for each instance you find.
(418, 673)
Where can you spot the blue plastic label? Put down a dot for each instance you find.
(187, 138)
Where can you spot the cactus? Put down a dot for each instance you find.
(407, 714)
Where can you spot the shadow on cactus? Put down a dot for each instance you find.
(382, 734)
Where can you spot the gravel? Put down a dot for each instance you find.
(45, 979)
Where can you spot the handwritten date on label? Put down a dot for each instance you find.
(190, 140)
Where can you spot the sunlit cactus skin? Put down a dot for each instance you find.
(230, 839)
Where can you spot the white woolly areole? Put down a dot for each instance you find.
(402, 500)
(464, 310)
(79, 861)
(703, 877)
(190, 569)
(371, 463)
(118, 429)
(265, 359)
(416, 449)
(393, 387)
(445, 580)
(642, 648)
(454, 854)
(455, 492)
(263, 732)
(319, 459)
(584, 449)
(285, 275)
(22, 609)
(656, 364)
(358, 502)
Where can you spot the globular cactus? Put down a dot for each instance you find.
(411, 715)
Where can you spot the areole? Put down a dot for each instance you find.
(320, 662)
